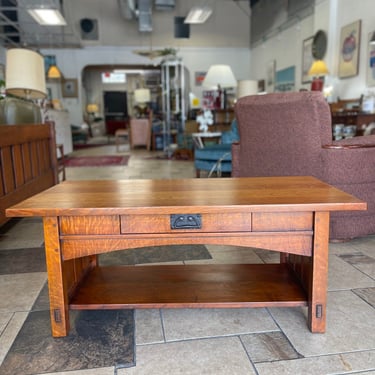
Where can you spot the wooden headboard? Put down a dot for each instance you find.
(28, 162)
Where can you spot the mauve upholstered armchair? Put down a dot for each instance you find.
(290, 134)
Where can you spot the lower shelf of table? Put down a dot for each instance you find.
(189, 286)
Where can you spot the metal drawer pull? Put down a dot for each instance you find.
(186, 221)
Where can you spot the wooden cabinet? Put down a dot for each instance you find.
(353, 118)
(140, 132)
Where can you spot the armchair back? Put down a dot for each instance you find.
(285, 134)
(288, 130)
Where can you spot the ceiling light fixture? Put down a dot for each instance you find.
(198, 14)
(47, 17)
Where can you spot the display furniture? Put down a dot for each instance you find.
(28, 162)
(285, 214)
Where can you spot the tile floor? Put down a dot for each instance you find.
(222, 341)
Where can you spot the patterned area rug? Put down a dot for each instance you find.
(96, 161)
(102, 338)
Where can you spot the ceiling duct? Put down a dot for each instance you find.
(127, 8)
(144, 15)
(165, 4)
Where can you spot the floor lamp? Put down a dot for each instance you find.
(219, 77)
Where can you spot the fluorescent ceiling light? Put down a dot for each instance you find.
(48, 17)
(198, 14)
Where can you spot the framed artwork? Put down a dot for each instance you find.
(307, 59)
(370, 62)
(271, 68)
(199, 77)
(350, 38)
(70, 88)
(285, 79)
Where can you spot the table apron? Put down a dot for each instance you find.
(297, 242)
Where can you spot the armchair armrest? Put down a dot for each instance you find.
(367, 141)
(349, 160)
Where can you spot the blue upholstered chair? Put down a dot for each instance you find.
(217, 158)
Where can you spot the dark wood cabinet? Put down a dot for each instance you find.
(360, 120)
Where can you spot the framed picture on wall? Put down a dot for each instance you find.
(285, 79)
(350, 40)
(70, 88)
(370, 60)
(307, 59)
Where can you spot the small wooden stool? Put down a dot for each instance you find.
(121, 133)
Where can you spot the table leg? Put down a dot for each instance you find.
(319, 274)
(58, 295)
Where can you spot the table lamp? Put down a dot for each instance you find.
(141, 97)
(92, 108)
(219, 77)
(318, 70)
(247, 87)
(25, 76)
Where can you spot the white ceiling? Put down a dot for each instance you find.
(115, 25)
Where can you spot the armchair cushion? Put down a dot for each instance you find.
(291, 134)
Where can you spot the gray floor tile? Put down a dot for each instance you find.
(268, 347)
(350, 323)
(344, 276)
(149, 329)
(182, 324)
(19, 291)
(220, 356)
(346, 363)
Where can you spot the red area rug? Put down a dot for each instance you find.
(96, 161)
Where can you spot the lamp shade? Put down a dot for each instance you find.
(54, 72)
(219, 75)
(142, 96)
(318, 68)
(25, 76)
(92, 108)
(247, 87)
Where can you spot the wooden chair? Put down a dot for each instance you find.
(60, 162)
(122, 134)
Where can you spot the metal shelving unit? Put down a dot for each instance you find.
(173, 99)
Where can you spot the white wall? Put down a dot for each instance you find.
(330, 16)
(72, 62)
(285, 49)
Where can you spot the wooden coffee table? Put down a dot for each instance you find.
(289, 215)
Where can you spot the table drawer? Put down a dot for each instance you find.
(282, 221)
(89, 225)
(233, 222)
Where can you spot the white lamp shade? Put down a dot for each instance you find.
(25, 76)
(142, 96)
(247, 87)
(219, 75)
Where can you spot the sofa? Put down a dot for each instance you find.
(291, 134)
(217, 157)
